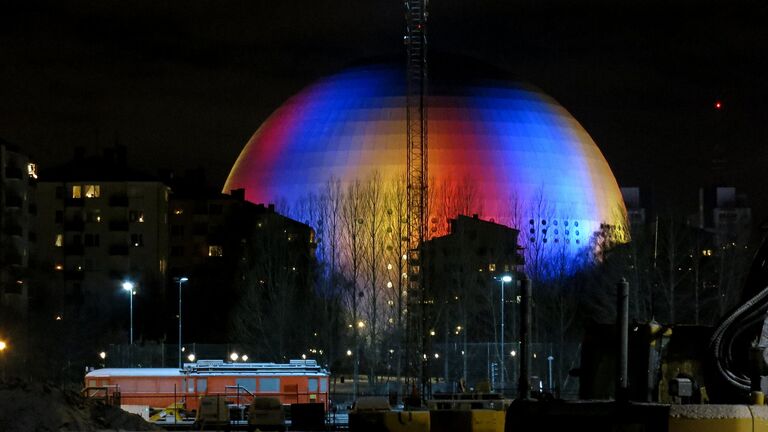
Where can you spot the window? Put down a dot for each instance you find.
(93, 216)
(177, 251)
(215, 251)
(202, 385)
(92, 240)
(59, 192)
(312, 385)
(178, 211)
(492, 267)
(177, 230)
(137, 240)
(136, 216)
(77, 240)
(77, 191)
(32, 170)
(92, 191)
(59, 216)
(59, 242)
(323, 385)
(269, 385)
(247, 383)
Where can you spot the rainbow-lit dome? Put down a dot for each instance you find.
(528, 159)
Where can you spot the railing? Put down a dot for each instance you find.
(118, 201)
(109, 394)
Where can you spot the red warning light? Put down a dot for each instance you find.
(718, 105)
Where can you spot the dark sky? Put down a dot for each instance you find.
(184, 83)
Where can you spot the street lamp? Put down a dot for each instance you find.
(505, 278)
(233, 356)
(180, 280)
(129, 286)
(549, 360)
(191, 358)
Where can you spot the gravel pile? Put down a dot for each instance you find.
(26, 406)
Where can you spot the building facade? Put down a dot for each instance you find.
(18, 210)
(101, 224)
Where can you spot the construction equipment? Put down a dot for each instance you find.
(266, 413)
(416, 118)
(675, 378)
(213, 413)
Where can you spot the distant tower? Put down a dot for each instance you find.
(416, 43)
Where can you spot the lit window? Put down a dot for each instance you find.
(178, 211)
(491, 267)
(59, 240)
(77, 191)
(58, 267)
(93, 216)
(32, 170)
(137, 240)
(136, 216)
(215, 251)
(92, 191)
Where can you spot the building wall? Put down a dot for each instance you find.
(210, 236)
(18, 209)
(96, 234)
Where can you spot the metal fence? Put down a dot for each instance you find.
(478, 365)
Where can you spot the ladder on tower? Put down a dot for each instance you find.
(416, 117)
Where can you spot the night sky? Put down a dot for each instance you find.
(184, 84)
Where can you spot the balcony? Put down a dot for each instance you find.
(14, 201)
(74, 225)
(118, 201)
(118, 225)
(74, 202)
(73, 249)
(118, 250)
(14, 230)
(13, 172)
(13, 258)
(73, 275)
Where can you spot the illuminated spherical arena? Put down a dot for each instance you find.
(523, 159)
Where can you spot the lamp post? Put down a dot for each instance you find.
(505, 278)
(549, 381)
(129, 286)
(180, 280)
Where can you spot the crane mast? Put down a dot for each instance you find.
(416, 118)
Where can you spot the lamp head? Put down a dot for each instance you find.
(506, 278)
(128, 286)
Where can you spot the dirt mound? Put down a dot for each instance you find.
(43, 407)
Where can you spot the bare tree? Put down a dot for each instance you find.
(396, 249)
(352, 215)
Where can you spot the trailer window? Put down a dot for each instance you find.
(202, 385)
(269, 385)
(312, 385)
(247, 383)
(324, 385)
